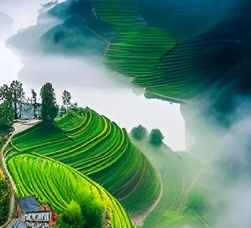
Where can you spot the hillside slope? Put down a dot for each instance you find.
(183, 60)
(60, 186)
(98, 148)
(184, 178)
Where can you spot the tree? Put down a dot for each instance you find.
(139, 133)
(66, 99)
(197, 202)
(34, 103)
(6, 117)
(5, 94)
(17, 94)
(156, 137)
(49, 105)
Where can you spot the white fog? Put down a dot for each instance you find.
(89, 84)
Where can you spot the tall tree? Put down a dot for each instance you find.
(49, 105)
(66, 99)
(156, 137)
(6, 116)
(17, 94)
(139, 133)
(5, 94)
(34, 103)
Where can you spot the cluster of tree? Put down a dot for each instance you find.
(140, 133)
(12, 99)
(49, 106)
(4, 200)
(88, 213)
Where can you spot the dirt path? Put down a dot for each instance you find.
(19, 127)
(194, 182)
(191, 187)
(139, 219)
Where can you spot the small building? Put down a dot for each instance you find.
(27, 208)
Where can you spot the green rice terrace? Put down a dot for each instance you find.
(195, 53)
(61, 185)
(84, 160)
(84, 157)
(93, 146)
(183, 62)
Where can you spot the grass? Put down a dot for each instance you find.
(95, 146)
(58, 185)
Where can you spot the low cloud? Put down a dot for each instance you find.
(226, 155)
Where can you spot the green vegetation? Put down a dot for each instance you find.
(17, 92)
(4, 199)
(139, 133)
(58, 185)
(156, 137)
(89, 214)
(187, 189)
(73, 216)
(133, 44)
(197, 203)
(6, 117)
(67, 103)
(34, 103)
(49, 105)
(13, 95)
(144, 40)
(98, 148)
(66, 99)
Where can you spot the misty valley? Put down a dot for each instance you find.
(125, 114)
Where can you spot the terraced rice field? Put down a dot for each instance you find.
(95, 146)
(57, 184)
(146, 41)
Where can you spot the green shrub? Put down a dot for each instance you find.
(6, 118)
(156, 137)
(87, 213)
(73, 215)
(92, 210)
(197, 202)
(139, 133)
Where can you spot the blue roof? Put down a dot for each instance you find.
(28, 204)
